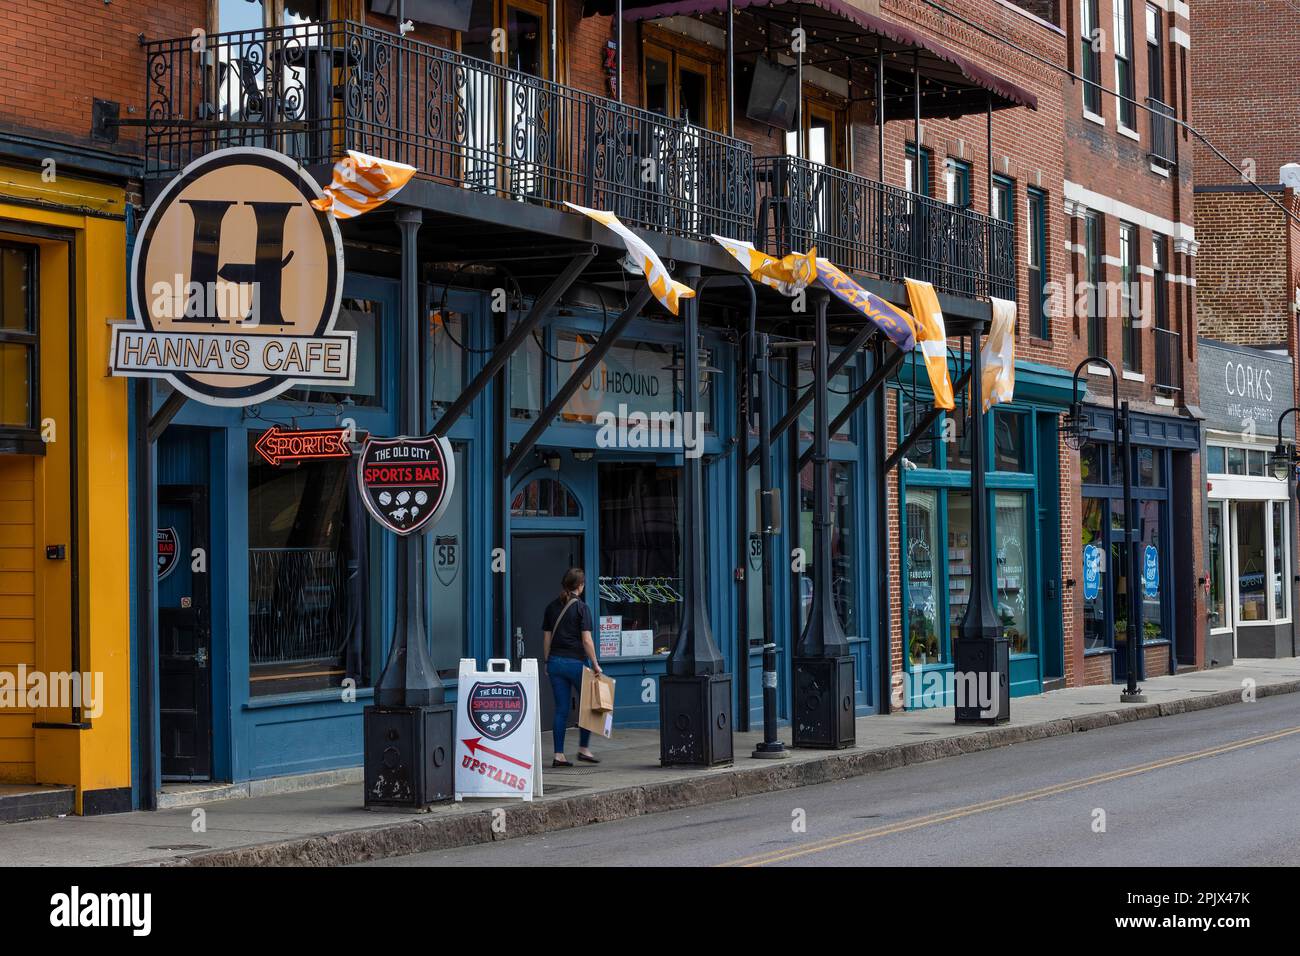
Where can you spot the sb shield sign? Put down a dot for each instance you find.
(406, 483)
(235, 284)
(498, 738)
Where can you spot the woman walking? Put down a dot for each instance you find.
(567, 644)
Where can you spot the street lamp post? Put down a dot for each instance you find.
(695, 693)
(981, 654)
(1283, 460)
(770, 747)
(1076, 430)
(823, 667)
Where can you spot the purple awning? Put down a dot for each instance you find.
(936, 60)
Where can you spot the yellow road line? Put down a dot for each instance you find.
(831, 843)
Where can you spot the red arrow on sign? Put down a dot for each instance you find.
(277, 444)
(474, 747)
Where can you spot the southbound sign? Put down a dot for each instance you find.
(406, 483)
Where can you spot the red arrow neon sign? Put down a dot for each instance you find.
(474, 747)
(278, 445)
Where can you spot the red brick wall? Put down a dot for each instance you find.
(1247, 97)
(57, 56)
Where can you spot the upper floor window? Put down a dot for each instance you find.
(823, 133)
(1124, 63)
(1155, 54)
(1159, 280)
(917, 181)
(679, 82)
(1039, 319)
(523, 29)
(18, 337)
(957, 183)
(1090, 58)
(1092, 267)
(1004, 199)
(1127, 299)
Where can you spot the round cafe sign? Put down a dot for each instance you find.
(236, 281)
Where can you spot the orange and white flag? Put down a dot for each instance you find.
(999, 356)
(642, 260)
(932, 339)
(362, 183)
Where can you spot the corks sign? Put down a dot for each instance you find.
(406, 483)
(235, 284)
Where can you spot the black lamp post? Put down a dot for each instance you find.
(1284, 459)
(981, 653)
(408, 731)
(823, 667)
(769, 521)
(695, 693)
(1076, 431)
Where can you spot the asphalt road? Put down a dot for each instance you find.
(1217, 787)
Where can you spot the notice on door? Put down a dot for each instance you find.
(498, 737)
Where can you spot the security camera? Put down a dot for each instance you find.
(406, 27)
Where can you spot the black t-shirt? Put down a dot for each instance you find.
(566, 640)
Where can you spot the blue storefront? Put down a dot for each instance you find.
(1023, 481)
(291, 624)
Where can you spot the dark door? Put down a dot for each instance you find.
(537, 563)
(184, 634)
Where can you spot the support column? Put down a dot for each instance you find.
(824, 686)
(408, 731)
(695, 713)
(981, 655)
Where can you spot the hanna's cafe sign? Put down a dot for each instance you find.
(235, 284)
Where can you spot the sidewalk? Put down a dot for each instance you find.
(329, 826)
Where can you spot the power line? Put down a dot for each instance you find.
(1075, 76)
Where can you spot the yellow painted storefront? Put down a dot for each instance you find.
(74, 231)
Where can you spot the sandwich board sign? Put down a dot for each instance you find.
(498, 736)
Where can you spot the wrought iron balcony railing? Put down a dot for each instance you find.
(1164, 132)
(1169, 366)
(882, 231)
(313, 91)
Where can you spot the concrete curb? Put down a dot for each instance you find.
(421, 834)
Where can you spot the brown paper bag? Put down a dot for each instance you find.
(596, 704)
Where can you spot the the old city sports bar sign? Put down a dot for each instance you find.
(406, 483)
(235, 284)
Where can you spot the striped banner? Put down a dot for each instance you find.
(362, 183)
(931, 336)
(641, 260)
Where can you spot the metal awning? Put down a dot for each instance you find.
(837, 29)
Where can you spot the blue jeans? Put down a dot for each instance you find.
(566, 678)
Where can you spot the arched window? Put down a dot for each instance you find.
(545, 498)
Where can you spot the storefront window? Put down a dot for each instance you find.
(1280, 551)
(1096, 632)
(1148, 472)
(632, 377)
(17, 336)
(923, 644)
(1090, 457)
(1119, 564)
(446, 369)
(365, 317)
(544, 498)
(445, 598)
(526, 381)
(843, 543)
(1009, 441)
(640, 552)
(960, 557)
(1215, 464)
(1216, 559)
(310, 616)
(1252, 565)
(1236, 461)
(1011, 544)
(837, 396)
(1153, 623)
(922, 453)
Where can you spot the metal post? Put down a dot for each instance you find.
(618, 43)
(409, 678)
(824, 683)
(771, 746)
(982, 653)
(146, 575)
(988, 151)
(731, 67)
(798, 129)
(695, 722)
(1131, 694)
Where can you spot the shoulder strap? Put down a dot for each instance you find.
(556, 626)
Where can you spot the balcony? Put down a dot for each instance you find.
(1169, 366)
(313, 91)
(882, 231)
(1164, 133)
